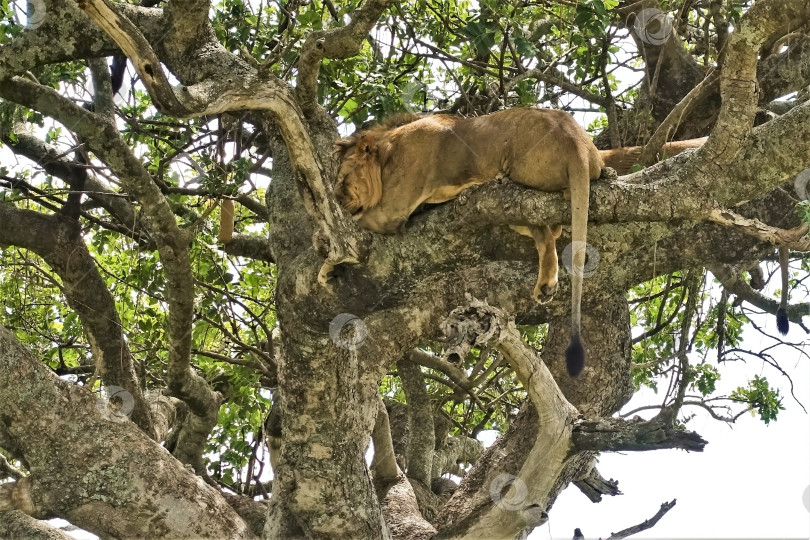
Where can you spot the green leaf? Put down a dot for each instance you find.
(761, 397)
(524, 47)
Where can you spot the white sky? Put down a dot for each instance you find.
(747, 483)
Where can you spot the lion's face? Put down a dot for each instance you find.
(351, 189)
(358, 183)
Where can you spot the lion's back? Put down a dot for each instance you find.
(536, 147)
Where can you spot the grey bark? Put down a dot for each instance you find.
(421, 440)
(17, 524)
(107, 495)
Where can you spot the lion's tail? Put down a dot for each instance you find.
(579, 185)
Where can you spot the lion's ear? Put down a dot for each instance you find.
(366, 146)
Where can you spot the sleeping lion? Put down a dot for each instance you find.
(387, 171)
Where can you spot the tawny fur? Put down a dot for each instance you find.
(388, 171)
(623, 159)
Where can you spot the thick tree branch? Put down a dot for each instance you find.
(401, 510)
(78, 37)
(102, 85)
(103, 139)
(786, 72)
(42, 412)
(738, 74)
(7, 470)
(384, 464)
(138, 50)
(451, 370)
(251, 247)
(773, 154)
(336, 43)
(616, 434)
(254, 513)
(17, 524)
(421, 439)
(496, 515)
(59, 242)
(456, 450)
(795, 239)
(254, 205)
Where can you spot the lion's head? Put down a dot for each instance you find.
(362, 157)
(359, 184)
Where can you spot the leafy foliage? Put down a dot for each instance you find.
(759, 395)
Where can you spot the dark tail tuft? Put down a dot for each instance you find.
(782, 322)
(575, 356)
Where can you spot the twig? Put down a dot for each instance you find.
(646, 524)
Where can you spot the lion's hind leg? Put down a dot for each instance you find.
(545, 239)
